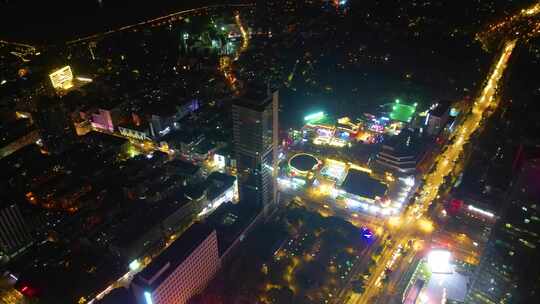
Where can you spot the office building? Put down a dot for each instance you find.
(509, 271)
(14, 232)
(255, 130)
(182, 270)
(437, 117)
(164, 118)
(401, 154)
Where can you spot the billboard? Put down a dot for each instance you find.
(219, 161)
(62, 79)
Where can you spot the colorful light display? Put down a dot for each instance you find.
(62, 79)
(366, 233)
(402, 112)
(335, 170)
(315, 116)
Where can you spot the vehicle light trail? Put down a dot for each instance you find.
(245, 35)
(511, 26)
(225, 62)
(444, 166)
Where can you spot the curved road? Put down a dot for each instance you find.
(156, 21)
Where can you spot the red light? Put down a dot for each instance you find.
(455, 206)
(24, 288)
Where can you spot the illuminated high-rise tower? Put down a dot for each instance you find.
(255, 119)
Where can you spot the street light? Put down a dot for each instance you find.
(439, 261)
(426, 225)
(134, 265)
(394, 221)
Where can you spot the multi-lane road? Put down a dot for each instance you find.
(444, 166)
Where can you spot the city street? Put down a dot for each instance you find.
(270, 152)
(433, 181)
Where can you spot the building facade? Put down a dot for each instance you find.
(102, 120)
(139, 133)
(402, 153)
(255, 129)
(14, 233)
(182, 270)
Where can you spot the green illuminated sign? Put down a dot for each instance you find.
(315, 116)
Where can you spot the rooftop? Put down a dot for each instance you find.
(205, 146)
(10, 131)
(187, 136)
(218, 183)
(303, 162)
(77, 270)
(402, 112)
(230, 220)
(221, 177)
(362, 184)
(451, 286)
(256, 98)
(142, 127)
(182, 167)
(147, 217)
(175, 254)
(407, 143)
(103, 140)
(442, 108)
(161, 108)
